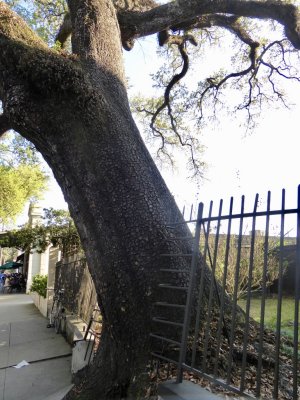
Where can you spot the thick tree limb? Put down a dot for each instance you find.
(169, 15)
(94, 23)
(26, 58)
(24, 53)
(121, 6)
(30, 70)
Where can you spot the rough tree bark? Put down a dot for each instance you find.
(76, 112)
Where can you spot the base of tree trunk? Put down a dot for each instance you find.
(113, 374)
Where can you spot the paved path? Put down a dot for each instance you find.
(24, 336)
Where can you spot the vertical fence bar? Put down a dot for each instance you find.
(249, 287)
(234, 300)
(221, 319)
(279, 298)
(201, 288)
(263, 298)
(191, 212)
(157, 368)
(212, 282)
(297, 298)
(168, 369)
(190, 293)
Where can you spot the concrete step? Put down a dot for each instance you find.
(170, 390)
(60, 394)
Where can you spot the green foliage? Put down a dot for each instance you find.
(43, 16)
(19, 185)
(26, 239)
(9, 254)
(39, 285)
(22, 177)
(15, 150)
(57, 218)
(58, 230)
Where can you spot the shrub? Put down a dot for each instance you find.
(39, 285)
(241, 279)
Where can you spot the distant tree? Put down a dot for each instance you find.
(22, 177)
(57, 230)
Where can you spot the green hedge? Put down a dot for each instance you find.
(39, 285)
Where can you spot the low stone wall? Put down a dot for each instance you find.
(73, 276)
(40, 302)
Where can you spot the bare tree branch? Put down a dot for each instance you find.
(180, 42)
(216, 85)
(274, 71)
(279, 70)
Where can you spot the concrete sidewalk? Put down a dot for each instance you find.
(24, 336)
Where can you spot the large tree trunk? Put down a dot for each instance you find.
(121, 207)
(76, 112)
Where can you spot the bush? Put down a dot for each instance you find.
(39, 285)
(241, 260)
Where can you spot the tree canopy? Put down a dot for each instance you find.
(258, 45)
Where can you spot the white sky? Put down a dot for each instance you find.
(266, 160)
(237, 165)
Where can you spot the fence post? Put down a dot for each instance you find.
(297, 299)
(188, 305)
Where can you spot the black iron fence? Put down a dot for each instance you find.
(241, 326)
(73, 276)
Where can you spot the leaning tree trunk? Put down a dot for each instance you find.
(76, 113)
(75, 110)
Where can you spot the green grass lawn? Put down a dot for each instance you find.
(287, 313)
